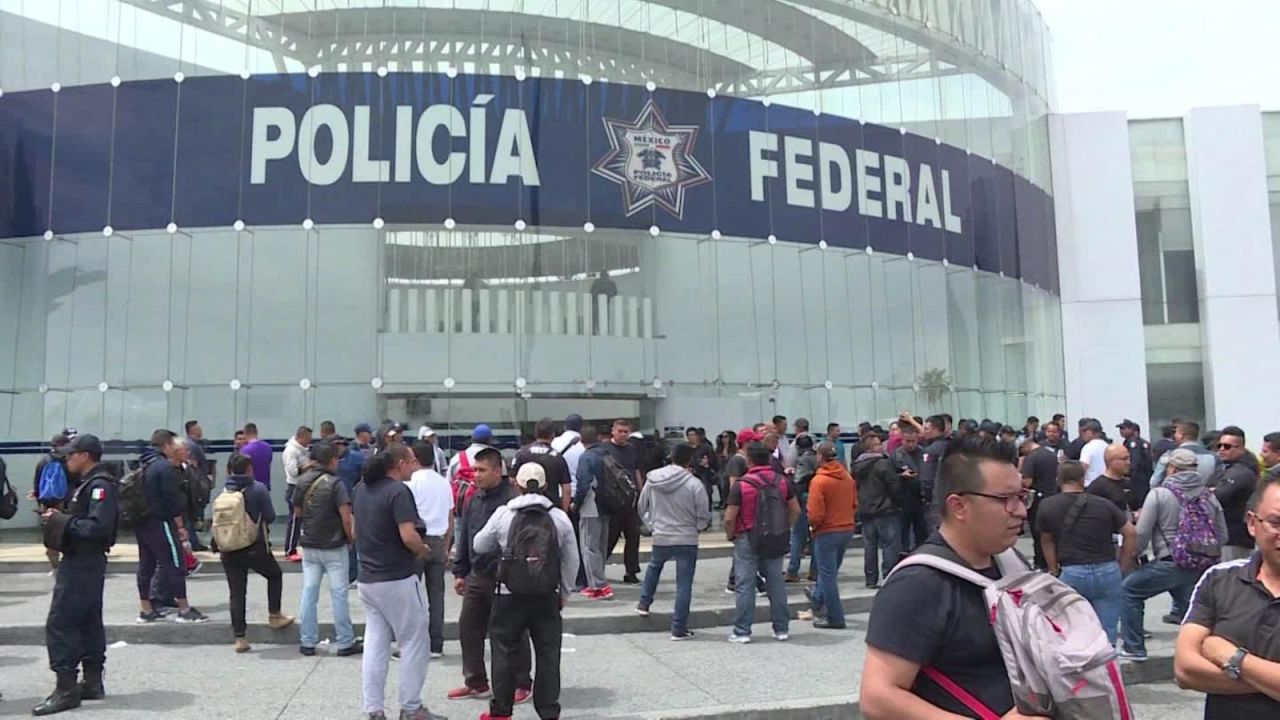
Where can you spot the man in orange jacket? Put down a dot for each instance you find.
(833, 500)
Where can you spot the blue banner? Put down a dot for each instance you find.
(415, 148)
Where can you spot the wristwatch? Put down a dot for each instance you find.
(1232, 667)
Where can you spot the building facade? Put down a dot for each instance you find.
(690, 213)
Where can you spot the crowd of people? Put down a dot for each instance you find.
(389, 516)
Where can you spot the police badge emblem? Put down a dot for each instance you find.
(651, 161)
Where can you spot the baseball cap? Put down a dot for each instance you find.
(1183, 458)
(70, 432)
(637, 435)
(747, 435)
(425, 432)
(1127, 423)
(362, 427)
(531, 471)
(482, 433)
(85, 444)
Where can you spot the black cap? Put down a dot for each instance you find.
(1127, 423)
(86, 444)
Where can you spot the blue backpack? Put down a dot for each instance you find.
(53, 483)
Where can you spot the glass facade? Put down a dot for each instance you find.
(454, 322)
(1271, 146)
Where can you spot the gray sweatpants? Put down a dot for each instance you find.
(394, 610)
(595, 540)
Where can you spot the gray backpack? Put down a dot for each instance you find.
(1059, 660)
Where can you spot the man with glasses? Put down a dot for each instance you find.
(1233, 482)
(1228, 647)
(927, 618)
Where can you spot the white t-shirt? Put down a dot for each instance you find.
(569, 446)
(434, 498)
(1094, 453)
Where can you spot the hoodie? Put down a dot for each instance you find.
(160, 480)
(492, 539)
(833, 499)
(879, 487)
(257, 501)
(296, 457)
(1158, 521)
(1206, 463)
(674, 503)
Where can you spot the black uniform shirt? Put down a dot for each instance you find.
(93, 511)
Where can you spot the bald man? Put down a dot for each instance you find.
(1113, 483)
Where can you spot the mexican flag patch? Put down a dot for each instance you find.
(99, 493)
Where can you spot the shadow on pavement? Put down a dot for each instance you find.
(150, 700)
(10, 661)
(587, 697)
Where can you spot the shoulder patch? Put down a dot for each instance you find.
(99, 493)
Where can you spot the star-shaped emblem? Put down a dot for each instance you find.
(651, 161)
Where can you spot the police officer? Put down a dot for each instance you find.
(74, 632)
(1141, 460)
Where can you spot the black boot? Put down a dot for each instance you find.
(65, 697)
(91, 687)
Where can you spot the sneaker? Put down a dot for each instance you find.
(740, 639)
(308, 651)
(523, 695)
(352, 586)
(1171, 619)
(278, 621)
(242, 645)
(1132, 656)
(467, 692)
(164, 610)
(604, 593)
(872, 586)
(642, 610)
(781, 637)
(487, 716)
(589, 593)
(191, 571)
(191, 615)
(293, 557)
(148, 617)
(760, 592)
(437, 654)
(730, 590)
(376, 716)
(792, 579)
(355, 649)
(630, 580)
(1147, 634)
(824, 624)
(420, 714)
(686, 635)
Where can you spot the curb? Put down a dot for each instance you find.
(216, 633)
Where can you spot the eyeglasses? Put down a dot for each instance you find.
(1227, 446)
(1272, 523)
(1011, 502)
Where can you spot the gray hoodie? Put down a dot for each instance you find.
(674, 504)
(493, 537)
(1158, 520)
(1206, 463)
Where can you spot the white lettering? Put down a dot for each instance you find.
(951, 222)
(927, 199)
(865, 161)
(479, 136)
(514, 153)
(433, 171)
(331, 118)
(829, 155)
(761, 167)
(264, 148)
(897, 192)
(404, 143)
(795, 148)
(362, 168)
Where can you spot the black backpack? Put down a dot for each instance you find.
(8, 496)
(530, 564)
(770, 536)
(133, 500)
(615, 491)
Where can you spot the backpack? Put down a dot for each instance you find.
(464, 483)
(770, 535)
(8, 496)
(615, 491)
(1059, 661)
(233, 529)
(52, 488)
(1195, 546)
(530, 564)
(200, 488)
(133, 500)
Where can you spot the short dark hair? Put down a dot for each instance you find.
(186, 426)
(908, 429)
(1189, 429)
(946, 417)
(425, 452)
(1070, 471)
(779, 418)
(329, 426)
(239, 464)
(1032, 419)
(682, 454)
(237, 433)
(251, 428)
(324, 453)
(832, 425)
(804, 442)
(589, 434)
(161, 438)
(1059, 417)
(757, 454)
(379, 464)
(303, 429)
(865, 444)
(1272, 439)
(1053, 423)
(937, 422)
(802, 424)
(1233, 431)
(961, 467)
(1267, 481)
(544, 429)
(1166, 431)
(489, 456)
(623, 422)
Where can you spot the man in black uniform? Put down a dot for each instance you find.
(1141, 462)
(74, 632)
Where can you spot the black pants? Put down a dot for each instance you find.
(514, 619)
(581, 580)
(258, 558)
(627, 525)
(73, 631)
(914, 529)
(473, 627)
(1036, 550)
(292, 531)
(433, 577)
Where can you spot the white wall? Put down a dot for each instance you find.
(1104, 353)
(1231, 223)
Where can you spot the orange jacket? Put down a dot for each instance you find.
(833, 499)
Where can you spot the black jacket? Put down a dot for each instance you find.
(92, 525)
(477, 512)
(162, 486)
(321, 521)
(912, 499)
(711, 470)
(1234, 483)
(933, 454)
(879, 487)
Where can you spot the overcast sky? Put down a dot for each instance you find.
(1159, 58)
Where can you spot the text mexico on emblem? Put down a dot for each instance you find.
(651, 161)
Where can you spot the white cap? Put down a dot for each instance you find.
(637, 435)
(425, 432)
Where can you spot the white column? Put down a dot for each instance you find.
(1103, 343)
(1231, 227)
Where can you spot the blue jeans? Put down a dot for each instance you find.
(747, 564)
(316, 565)
(686, 557)
(883, 533)
(828, 550)
(1102, 585)
(1147, 582)
(799, 538)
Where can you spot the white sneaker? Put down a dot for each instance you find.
(740, 639)
(781, 637)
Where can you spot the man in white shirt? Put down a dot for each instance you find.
(434, 498)
(440, 462)
(1093, 454)
(568, 444)
(297, 458)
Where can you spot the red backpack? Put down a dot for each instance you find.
(464, 483)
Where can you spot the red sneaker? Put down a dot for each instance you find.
(293, 557)
(487, 716)
(523, 695)
(589, 593)
(605, 593)
(467, 692)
